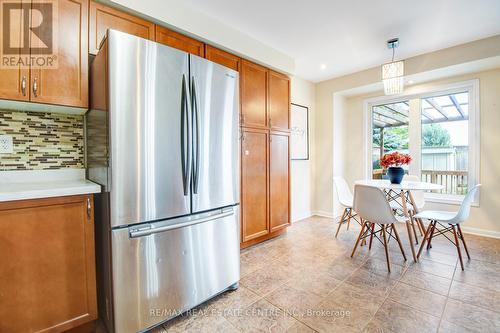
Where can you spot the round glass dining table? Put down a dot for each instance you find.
(401, 193)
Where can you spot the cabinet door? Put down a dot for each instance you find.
(279, 188)
(14, 81)
(68, 83)
(279, 101)
(253, 94)
(222, 57)
(254, 181)
(103, 18)
(47, 280)
(179, 41)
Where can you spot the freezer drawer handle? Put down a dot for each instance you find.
(140, 232)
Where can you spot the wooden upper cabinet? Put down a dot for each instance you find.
(68, 83)
(14, 82)
(47, 280)
(179, 41)
(279, 186)
(253, 83)
(103, 18)
(279, 101)
(254, 181)
(222, 57)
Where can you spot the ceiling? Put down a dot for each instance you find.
(331, 38)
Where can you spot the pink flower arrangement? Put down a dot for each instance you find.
(395, 160)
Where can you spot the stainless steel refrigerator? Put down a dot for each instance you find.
(163, 141)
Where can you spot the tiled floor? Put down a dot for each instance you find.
(305, 281)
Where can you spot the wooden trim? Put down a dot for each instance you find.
(222, 57)
(96, 7)
(187, 44)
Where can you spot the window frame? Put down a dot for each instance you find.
(414, 96)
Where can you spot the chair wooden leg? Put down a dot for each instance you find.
(457, 244)
(412, 220)
(372, 227)
(463, 240)
(410, 236)
(385, 247)
(432, 227)
(399, 241)
(359, 237)
(349, 216)
(341, 221)
(421, 227)
(426, 236)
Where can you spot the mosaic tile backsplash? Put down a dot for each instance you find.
(42, 140)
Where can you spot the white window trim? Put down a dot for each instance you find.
(472, 87)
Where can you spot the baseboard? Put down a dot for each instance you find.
(303, 216)
(481, 232)
(323, 213)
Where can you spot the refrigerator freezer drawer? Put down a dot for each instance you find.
(164, 269)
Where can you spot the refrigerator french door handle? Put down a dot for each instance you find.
(185, 136)
(146, 231)
(196, 132)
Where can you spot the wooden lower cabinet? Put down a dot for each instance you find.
(265, 185)
(47, 271)
(254, 184)
(279, 184)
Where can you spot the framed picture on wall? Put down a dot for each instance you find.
(299, 139)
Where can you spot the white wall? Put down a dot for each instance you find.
(183, 18)
(302, 93)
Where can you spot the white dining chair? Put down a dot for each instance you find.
(419, 201)
(345, 198)
(374, 210)
(453, 220)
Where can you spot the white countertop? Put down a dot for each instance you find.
(36, 184)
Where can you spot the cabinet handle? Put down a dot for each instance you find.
(89, 208)
(35, 87)
(23, 86)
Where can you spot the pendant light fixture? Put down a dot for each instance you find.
(393, 72)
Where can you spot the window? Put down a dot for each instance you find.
(445, 141)
(438, 127)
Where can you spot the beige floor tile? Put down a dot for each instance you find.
(379, 266)
(419, 299)
(265, 280)
(396, 317)
(262, 316)
(295, 302)
(378, 285)
(431, 282)
(232, 301)
(300, 328)
(447, 327)
(471, 317)
(485, 298)
(480, 274)
(319, 284)
(432, 267)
